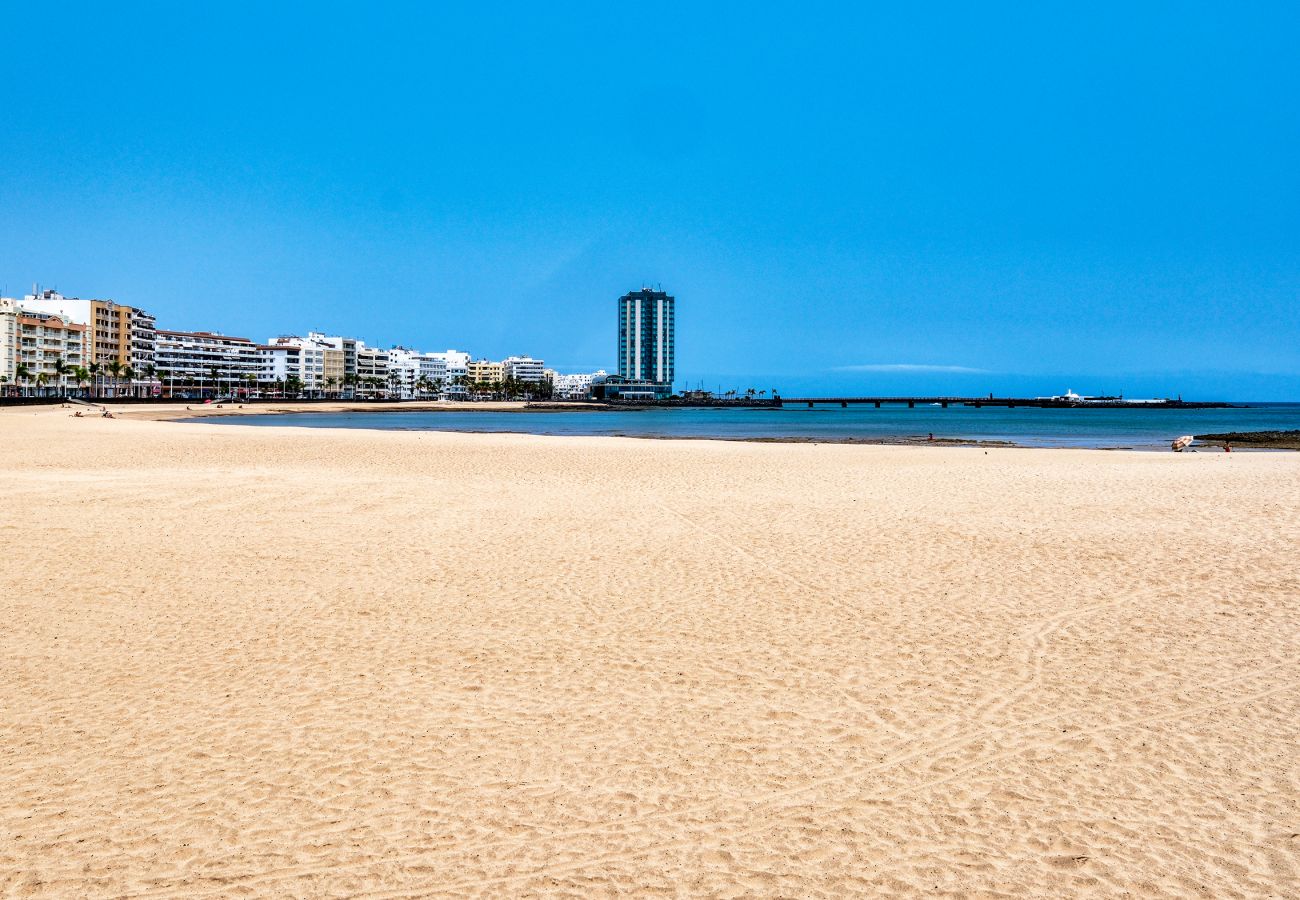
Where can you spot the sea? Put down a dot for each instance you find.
(1139, 429)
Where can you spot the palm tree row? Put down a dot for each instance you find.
(115, 379)
(64, 373)
(509, 388)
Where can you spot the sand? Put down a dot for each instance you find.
(306, 662)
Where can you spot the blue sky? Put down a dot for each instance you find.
(963, 197)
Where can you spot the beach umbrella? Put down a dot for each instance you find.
(1182, 443)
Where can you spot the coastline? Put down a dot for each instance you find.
(197, 413)
(182, 413)
(298, 661)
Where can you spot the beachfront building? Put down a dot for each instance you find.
(205, 364)
(456, 363)
(403, 372)
(522, 368)
(307, 366)
(335, 370)
(344, 365)
(45, 347)
(115, 334)
(615, 387)
(433, 374)
(578, 385)
(484, 371)
(8, 345)
(646, 339)
(279, 370)
(372, 371)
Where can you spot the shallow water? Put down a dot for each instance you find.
(1136, 428)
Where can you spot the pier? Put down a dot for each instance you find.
(1007, 402)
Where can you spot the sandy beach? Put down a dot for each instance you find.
(299, 662)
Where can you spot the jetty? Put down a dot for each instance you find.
(1007, 402)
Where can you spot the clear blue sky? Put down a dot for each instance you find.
(1099, 197)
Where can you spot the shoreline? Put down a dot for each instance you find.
(525, 407)
(180, 412)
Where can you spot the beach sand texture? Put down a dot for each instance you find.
(301, 662)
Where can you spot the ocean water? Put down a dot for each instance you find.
(1115, 428)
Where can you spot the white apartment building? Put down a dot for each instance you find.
(403, 372)
(277, 364)
(204, 362)
(433, 369)
(346, 345)
(456, 361)
(8, 342)
(457, 366)
(577, 386)
(308, 363)
(523, 368)
(372, 364)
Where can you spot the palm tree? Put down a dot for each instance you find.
(94, 369)
(81, 375)
(23, 373)
(41, 380)
(216, 381)
(115, 370)
(130, 375)
(61, 369)
(151, 373)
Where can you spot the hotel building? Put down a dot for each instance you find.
(40, 341)
(8, 342)
(372, 363)
(207, 362)
(36, 341)
(114, 332)
(433, 368)
(577, 386)
(309, 363)
(277, 364)
(403, 371)
(484, 371)
(335, 369)
(522, 368)
(456, 363)
(346, 346)
(646, 340)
